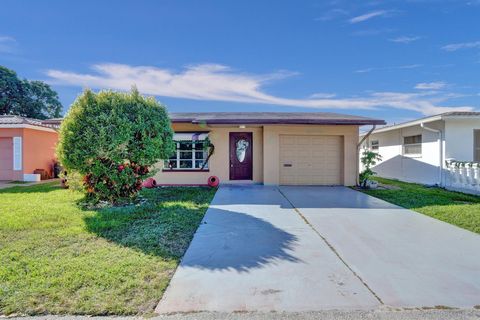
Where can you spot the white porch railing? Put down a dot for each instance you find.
(462, 176)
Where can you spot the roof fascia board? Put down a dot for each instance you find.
(25, 126)
(280, 122)
(460, 117)
(407, 124)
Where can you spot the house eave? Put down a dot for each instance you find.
(406, 124)
(26, 126)
(281, 122)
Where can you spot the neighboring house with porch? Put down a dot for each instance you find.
(26, 145)
(265, 147)
(438, 150)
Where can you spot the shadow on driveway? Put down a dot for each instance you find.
(233, 240)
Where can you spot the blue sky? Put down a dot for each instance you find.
(395, 60)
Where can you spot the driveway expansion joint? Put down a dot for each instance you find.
(332, 248)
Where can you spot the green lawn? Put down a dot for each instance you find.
(453, 207)
(57, 258)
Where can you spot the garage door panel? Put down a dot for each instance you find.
(289, 140)
(314, 160)
(303, 141)
(302, 153)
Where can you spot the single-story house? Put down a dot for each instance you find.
(265, 147)
(421, 150)
(25, 146)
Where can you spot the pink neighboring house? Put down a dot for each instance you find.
(26, 145)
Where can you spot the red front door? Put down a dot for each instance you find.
(241, 156)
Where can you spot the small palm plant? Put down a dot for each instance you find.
(208, 147)
(368, 159)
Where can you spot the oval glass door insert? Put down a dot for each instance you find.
(242, 146)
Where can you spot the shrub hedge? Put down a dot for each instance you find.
(112, 139)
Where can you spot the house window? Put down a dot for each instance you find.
(189, 155)
(412, 145)
(374, 145)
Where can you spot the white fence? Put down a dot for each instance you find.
(462, 176)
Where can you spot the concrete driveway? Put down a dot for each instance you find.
(265, 248)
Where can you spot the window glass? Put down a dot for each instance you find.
(185, 154)
(412, 145)
(184, 145)
(412, 139)
(198, 145)
(171, 164)
(199, 163)
(189, 155)
(185, 164)
(412, 149)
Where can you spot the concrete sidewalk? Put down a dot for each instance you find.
(378, 314)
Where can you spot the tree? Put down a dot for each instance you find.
(33, 99)
(11, 90)
(112, 139)
(368, 159)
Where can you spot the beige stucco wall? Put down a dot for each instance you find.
(219, 162)
(271, 134)
(265, 152)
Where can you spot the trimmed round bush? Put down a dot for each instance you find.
(113, 139)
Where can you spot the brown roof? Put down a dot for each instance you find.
(326, 118)
(18, 120)
(272, 118)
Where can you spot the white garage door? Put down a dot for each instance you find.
(311, 160)
(6, 159)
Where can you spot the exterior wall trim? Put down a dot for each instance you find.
(25, 126)
(17, 154)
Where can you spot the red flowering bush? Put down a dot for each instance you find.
(112, 139)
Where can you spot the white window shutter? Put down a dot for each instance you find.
(17, 153)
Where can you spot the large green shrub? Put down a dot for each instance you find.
(112, 139)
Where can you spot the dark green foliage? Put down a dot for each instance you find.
(33, 99)
(112, 139)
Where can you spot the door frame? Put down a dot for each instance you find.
(231, 155)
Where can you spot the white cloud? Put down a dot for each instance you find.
(372, 32)
(405, 39)
(463, 45)
(365, 70)
(407, 66)
(213, 82)
(7, 44)
(332, 14)
(6, 39)
(431, 85)
(367, 16)
(322, 95)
